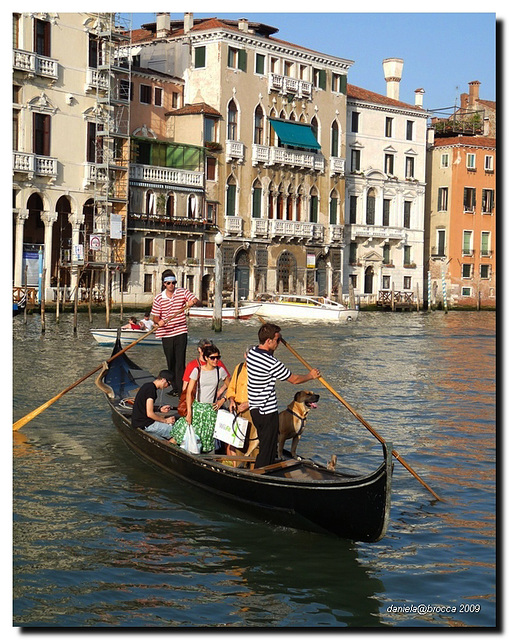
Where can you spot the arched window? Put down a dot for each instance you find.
(314, 126)
(280, 204)
(370, 207)
(333, 208)
(289, 204)
(258, 125)
(334, 144)
(231, 197)
(150, 203)
(192, 206)
(313, 205)
(170, 204)
(232, 120)
(298, 205)
(256, 203)
(368, 280)
(272, 197)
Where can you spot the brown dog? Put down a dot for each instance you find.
(293, 420)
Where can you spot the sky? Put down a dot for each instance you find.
(442, 52)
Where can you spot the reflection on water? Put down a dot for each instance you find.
(101, 539)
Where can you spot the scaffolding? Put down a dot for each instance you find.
(107, 240)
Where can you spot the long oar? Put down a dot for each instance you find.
(33, 414)
(359, 417)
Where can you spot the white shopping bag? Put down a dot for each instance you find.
(230, 428)
(190, 441)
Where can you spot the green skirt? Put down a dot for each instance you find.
(204, 421)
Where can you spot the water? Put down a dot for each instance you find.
(103, 540)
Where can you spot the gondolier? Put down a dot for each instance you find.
(169, 302)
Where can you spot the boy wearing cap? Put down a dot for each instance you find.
(144, 415)
(168, 304)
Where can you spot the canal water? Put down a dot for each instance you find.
(101, 539)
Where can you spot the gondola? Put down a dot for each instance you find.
(297, 493)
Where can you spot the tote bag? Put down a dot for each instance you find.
(230, 428)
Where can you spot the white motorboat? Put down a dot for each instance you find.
(127, 336)
(294, 307)
(227, 313)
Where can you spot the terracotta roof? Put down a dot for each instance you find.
(195, 109)
(141, 35)
(370, 96)
(489, 103)
(466, 141)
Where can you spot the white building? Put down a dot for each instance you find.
(385, 190)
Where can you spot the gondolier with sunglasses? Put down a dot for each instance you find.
(173, 333)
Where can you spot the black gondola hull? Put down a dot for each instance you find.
(307, 497)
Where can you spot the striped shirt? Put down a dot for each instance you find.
(263, 369)
(164, 307)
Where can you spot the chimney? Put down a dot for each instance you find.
(243, 25)
(473, 95)
(464, 101)
(163, 25)
(188, 22)
(393, 70)
(419, 97)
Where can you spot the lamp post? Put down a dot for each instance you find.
(217, 319)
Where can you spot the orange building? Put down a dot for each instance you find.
(461, 216)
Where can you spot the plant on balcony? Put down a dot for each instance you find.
(410, 265)
(170, 261)
(213, 146)
(192, 261)
(150, 260)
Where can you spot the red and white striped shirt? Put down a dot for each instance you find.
(165, 307)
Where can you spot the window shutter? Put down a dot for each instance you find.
(342, 84)
(230, 200)
(242, 59)
(260, 63)
(473, 198)
(257, 202)
(333, 211)
(199, 57)
(322, 79)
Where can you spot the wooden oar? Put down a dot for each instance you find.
(359, 417)
(33, 414)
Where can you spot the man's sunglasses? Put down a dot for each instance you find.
(214, 357)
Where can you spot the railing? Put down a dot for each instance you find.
(96, 80)
(336, 233)
(167, 223)
(292, 229)
(290, 157)
(259, 227)
(34, 165)
(233, 225)
(337, 165)
(388, 298)
(234, 149)
(285, 84)
(34, 63)
(375, 231)
(166, 175)
(18, 293)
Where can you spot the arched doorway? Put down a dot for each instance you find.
(33, 240)
(286, 272)
(242, 274)
(206, 288)
(61, 245)
(321, 276)
(368, 280)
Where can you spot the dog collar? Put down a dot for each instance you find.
(302, 420)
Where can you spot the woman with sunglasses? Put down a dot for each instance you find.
(206, 385)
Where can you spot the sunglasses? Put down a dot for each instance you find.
(214, 357)
(167, 283)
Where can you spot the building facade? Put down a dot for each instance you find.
(273, 125)
(385, 191)
(461, 205)
(71, 148)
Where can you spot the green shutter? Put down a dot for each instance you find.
(230, 200)
(313, 213)
(260, 63)
(231, 56)
(322, 79)
(333, 211)
(342, 84)
(242, 59)
(257, 203)
(199, 57)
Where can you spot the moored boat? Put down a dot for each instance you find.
(127, 336)
(227, 313)
(298, 493)
(294, 307)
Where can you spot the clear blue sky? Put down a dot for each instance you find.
(442, 52)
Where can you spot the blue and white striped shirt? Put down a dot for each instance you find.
(263, 369)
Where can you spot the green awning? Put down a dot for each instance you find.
(295, 134)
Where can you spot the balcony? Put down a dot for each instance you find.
(144, 222)
(288, 157)
(34, 165)
(234, 150)
(166, 176)
(300, 230)
(336, 233)
(374, 231)
(96, 80)
(233, 225)
(35, 64)
(337, 166)
(290, 86)
(259, 227)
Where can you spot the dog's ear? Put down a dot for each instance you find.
(295, 397)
